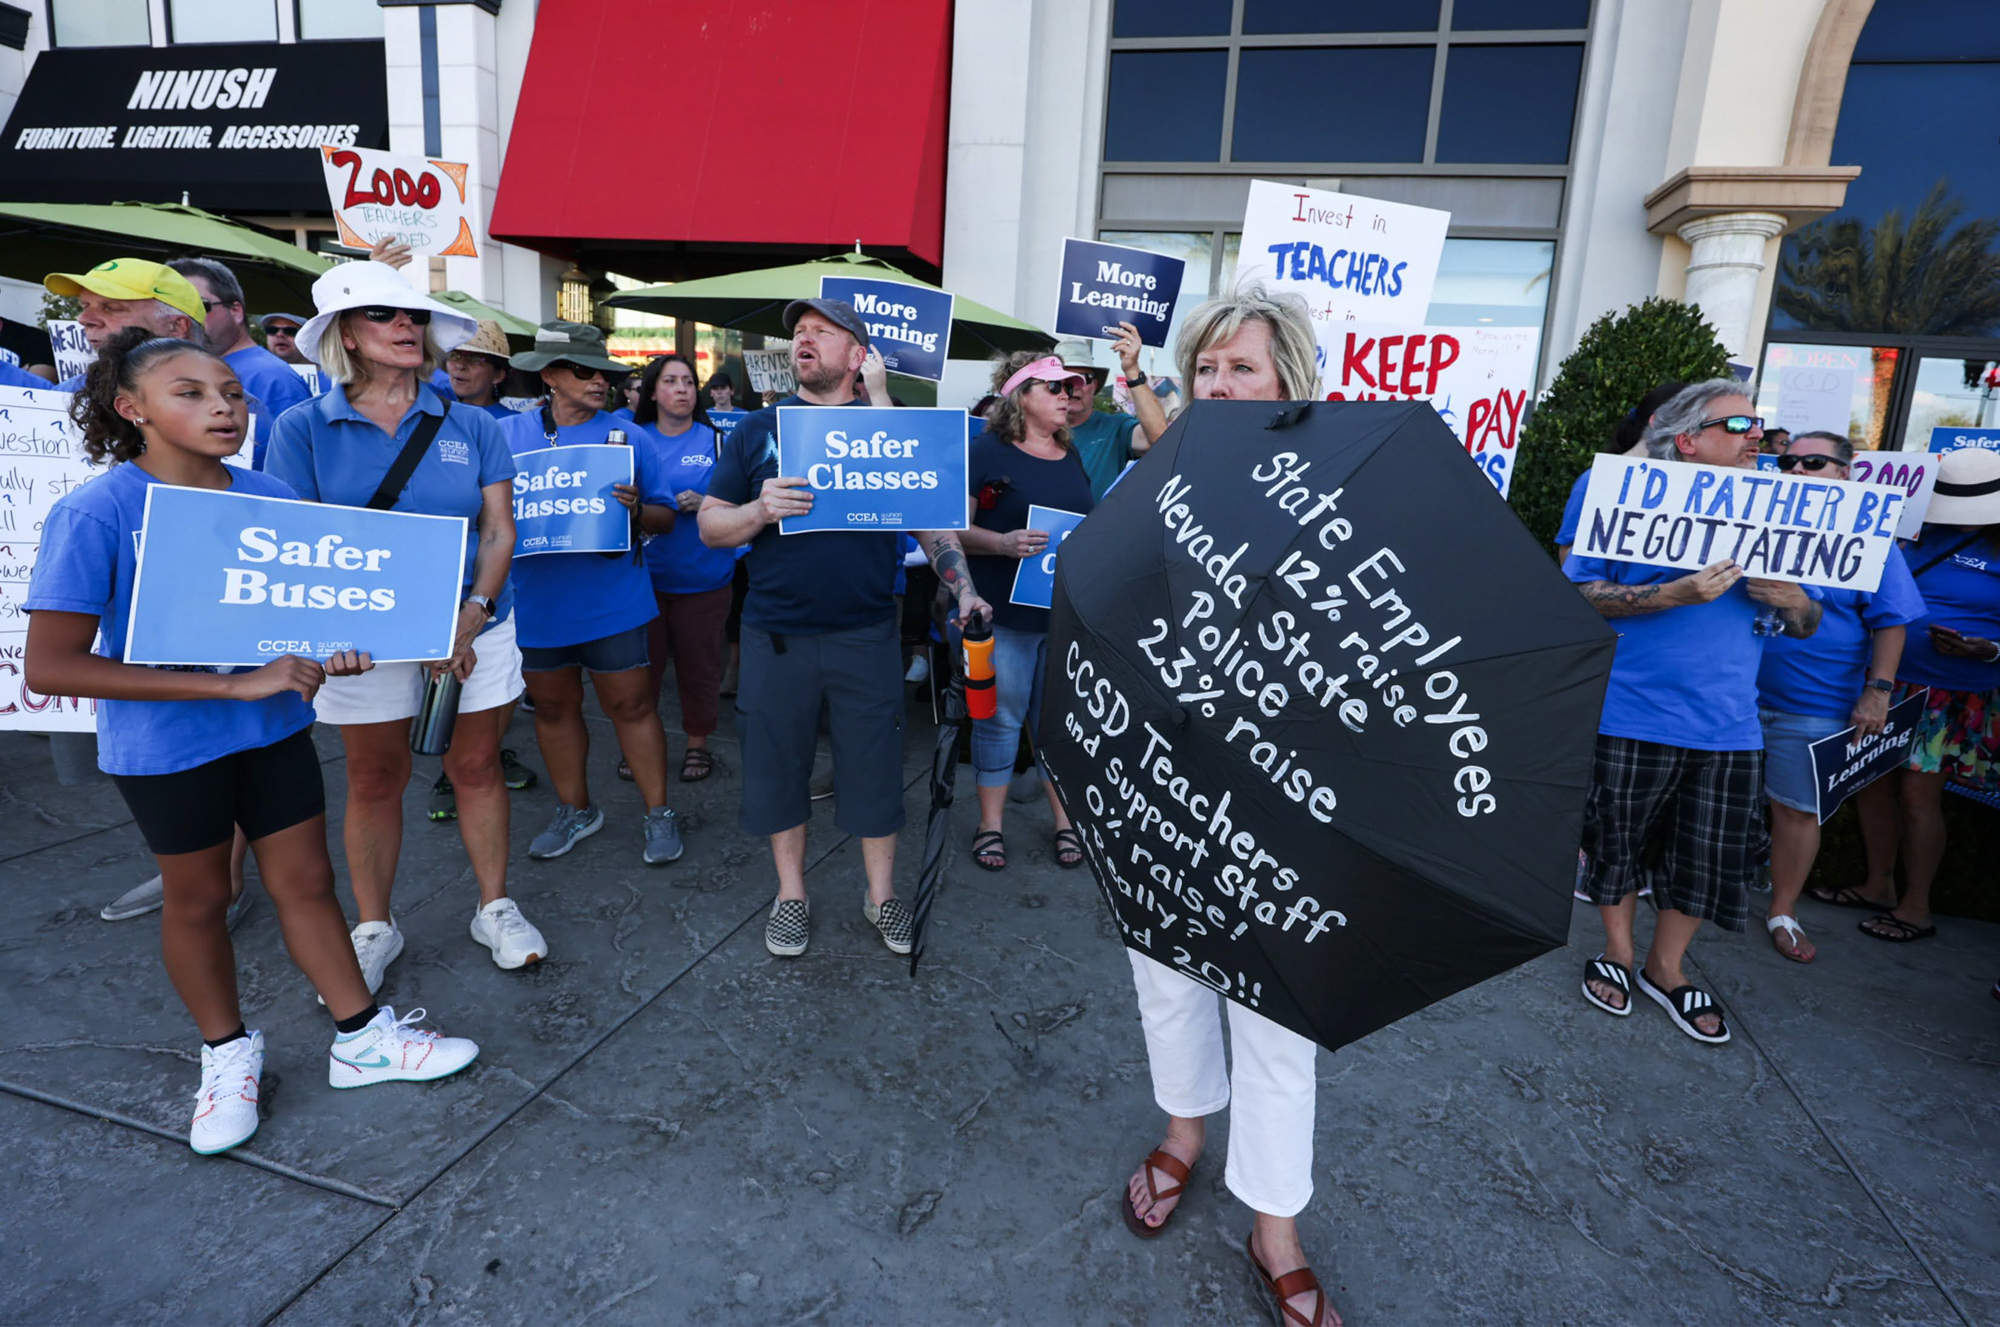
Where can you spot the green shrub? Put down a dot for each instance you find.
(1619, 360)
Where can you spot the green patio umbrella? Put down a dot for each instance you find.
(39, 238)
(520, 332)
(755, 302)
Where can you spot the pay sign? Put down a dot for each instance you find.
(412, 200)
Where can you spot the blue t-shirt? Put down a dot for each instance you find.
(72, 385)
(12, 375)
(570, 598)
(1961, 592)
(802, 584)
(1572, 511)
(498, 411)
(86, 564)
(273, 388)
(680, 563)
(1019, 481)
(1824, 674)
(1103, 443)
(1682, 676)
(329, 452)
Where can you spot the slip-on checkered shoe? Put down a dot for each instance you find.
(789, 928)
(892, 919)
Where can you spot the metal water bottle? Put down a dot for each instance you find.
(430, 732)
(982, 701)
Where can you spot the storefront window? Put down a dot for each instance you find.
(1514, 15)
(1287, 16)
(1804, 388)
(1509, 103)
(101, 23)
(328, 19)
(1171, 18)
(1501, 283)
(1951, 393)
(1166, 106)
(222, 20)
(1337, 103)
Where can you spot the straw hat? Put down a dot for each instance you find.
(371, 284)
(488, 340)
(1968, 488)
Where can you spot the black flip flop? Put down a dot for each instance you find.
(1844, 897)
(1903, 933)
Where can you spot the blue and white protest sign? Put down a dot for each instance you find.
(563, 501)
(1352, 259)
(1844, 764)
(876, 469)
(910, 325)
(1951, 439)
(1780, 527)
(1103, 285)
(725, 421)
(241, 580)
(1035, 577)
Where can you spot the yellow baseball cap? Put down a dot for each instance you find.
(132, 278)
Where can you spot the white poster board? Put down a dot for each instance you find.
(417, 201)
(1351, 259)
(72, 350)
(41, 458)
(771, 371)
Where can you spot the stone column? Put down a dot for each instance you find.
(1726, 261)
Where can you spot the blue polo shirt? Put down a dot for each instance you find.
(679, 562)
(802, 584)
(13, 375)
(273, 388)
(570, 598)
(1824, 674)
(86, 564)
(329, 452)
(1961, 592)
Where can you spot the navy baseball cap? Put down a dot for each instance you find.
(836, 311)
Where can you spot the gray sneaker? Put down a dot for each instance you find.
(135, 902)
(569, 828)
(663, 837)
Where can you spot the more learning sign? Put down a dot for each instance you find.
(875, 468)
(1843, 764)
(563, 501)
(1780, 527)
(1352, 259)
(1103, 285)
(910, 325)
(244, 580)
(379, 195)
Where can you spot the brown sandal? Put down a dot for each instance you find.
(696, 765)
(1292, 1283)
(1173, 1166)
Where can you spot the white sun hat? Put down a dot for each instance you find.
(1968, 488)
(369, 284)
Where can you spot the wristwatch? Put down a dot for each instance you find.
(484, 603)
(1881, 684)
(1137, 379)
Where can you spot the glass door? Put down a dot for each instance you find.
(1806, 387)
(1951, 392)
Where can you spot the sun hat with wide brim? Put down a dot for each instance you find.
(490, 340)
(1968, 488)
(370, 284)
(559, 342)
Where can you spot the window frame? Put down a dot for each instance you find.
(298, 9)
(277, 25)
(1910, 350)
(49, 26)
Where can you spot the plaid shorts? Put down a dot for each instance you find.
(1686, 822)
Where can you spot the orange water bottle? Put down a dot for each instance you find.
(981, 700)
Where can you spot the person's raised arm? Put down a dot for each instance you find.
(947, 557)
(1145, 401)
(1614, 600)
(875, 377)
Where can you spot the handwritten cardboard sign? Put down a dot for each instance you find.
(876, 468)
(563, 501)
(417, 201)
(910, 325)
(1352, 259)
(1829, 532)
(771, 371)
(1035, 577)
(1815, 387)
(1102, 285)
(1915, 473)
(1843, 764)
(1478, 379)
(41, 459)
(244, 580)
(72, 349)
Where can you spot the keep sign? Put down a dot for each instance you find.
(876, 469)
(563, 501)
(1035, 578)
(1779, 527)
(1105, 284)
(910, 325)
(416, 201)
(243, 580)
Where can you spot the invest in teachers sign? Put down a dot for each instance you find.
(876, 469)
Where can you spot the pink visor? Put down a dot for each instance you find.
(1048, 369)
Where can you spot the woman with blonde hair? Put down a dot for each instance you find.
(381, 437)
(1250, 346)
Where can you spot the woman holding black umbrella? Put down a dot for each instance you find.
(1248, 347)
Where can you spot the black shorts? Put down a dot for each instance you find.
(265, 789)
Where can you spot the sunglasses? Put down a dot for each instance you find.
(582, 374)
(1062, 386)
(382, 313)
(1737, 424)
(1812, 463)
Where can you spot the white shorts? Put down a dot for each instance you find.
(396, 691)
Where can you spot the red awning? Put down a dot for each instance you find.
(841, 104)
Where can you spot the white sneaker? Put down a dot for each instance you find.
(920, 669)
(391, 1050)
(376, 945)
(225, 1110)
(513, 938)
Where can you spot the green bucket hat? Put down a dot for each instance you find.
(568, 343)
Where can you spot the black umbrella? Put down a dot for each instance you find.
(1324, 712)
(937, 830)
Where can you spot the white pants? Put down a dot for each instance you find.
(1271, 1129)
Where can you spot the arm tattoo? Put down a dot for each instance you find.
(1623, 600)
(1802, 622)
(948, 558)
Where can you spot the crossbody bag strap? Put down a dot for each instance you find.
(405, 463)
(1963, 543)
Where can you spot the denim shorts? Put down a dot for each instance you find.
(617, 653)
(1788, 772)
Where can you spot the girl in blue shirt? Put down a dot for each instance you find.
(198, 752)
(692, 583)
(590, 610)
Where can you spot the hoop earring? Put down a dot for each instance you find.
(137, 420)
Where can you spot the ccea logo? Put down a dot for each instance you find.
(864, 518)
(698, 458)
(201, 89)
(300, 647)
(454, 450)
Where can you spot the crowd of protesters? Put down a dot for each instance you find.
(1702, 788)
